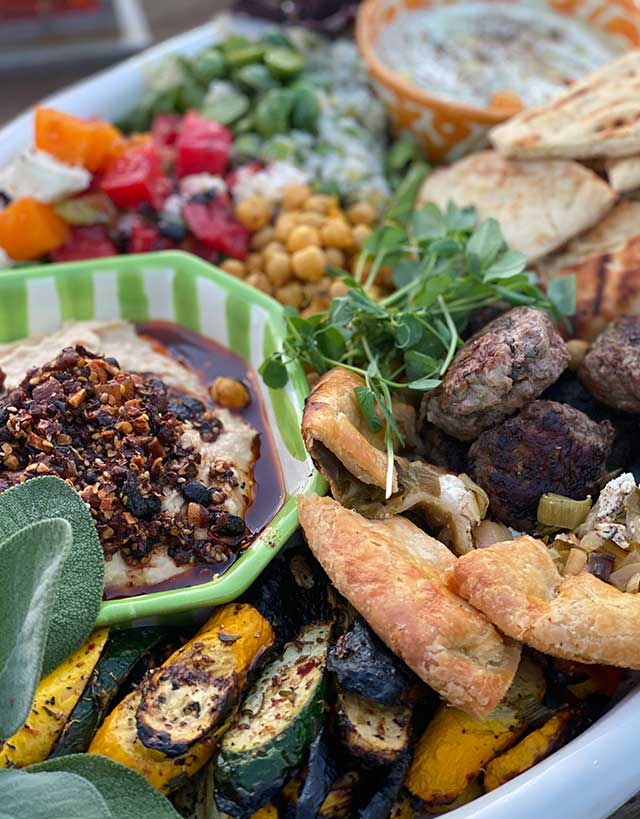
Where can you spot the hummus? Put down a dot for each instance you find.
(167, 477)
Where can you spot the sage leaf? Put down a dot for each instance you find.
(126, 793)
(50, 796)
(81, 583)
(508, 264)
(31, 563)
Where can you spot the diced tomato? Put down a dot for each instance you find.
(136, 177)
(232, 177)
(214, 225)
(165, 129)
(88, 242)
(203, 146)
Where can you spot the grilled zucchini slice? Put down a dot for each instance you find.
(268, 739)
(373, 733)
(124, 650)
(199, 685)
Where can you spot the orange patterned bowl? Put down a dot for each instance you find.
(448, 129)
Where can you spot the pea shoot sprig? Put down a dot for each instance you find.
(444, 265)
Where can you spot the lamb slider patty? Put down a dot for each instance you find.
(611, 368)
(499, 371)
(548, 447)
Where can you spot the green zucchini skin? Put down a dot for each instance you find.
(122, 653)
(250, 769)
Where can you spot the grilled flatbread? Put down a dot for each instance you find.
(624, 173)
(579, 617)
(540, 205)
(597, 116)
(395, 576)
(605, 261)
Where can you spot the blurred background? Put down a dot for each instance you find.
(47, 45)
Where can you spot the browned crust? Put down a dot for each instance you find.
(394, 575)
(332, 419)
(579, 618)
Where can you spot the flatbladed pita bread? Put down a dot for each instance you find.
(597, 116)
(540, 205)
(624, 173)
(606, 263)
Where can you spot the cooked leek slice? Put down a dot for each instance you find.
(561, 512)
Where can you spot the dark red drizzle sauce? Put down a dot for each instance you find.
(209, 360)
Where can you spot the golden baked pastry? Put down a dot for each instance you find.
(580, 618)
(394, 575)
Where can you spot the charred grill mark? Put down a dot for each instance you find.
(601, 281)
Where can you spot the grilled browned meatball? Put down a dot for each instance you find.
(443, 450)
(548, 447)
(611, 368)
(497, 372)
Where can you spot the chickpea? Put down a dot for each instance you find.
(360, 234)
(234, 267)
(302, 236)
(320, 203)
(578, 348)
(254, 263)
(285, 223)
(336, 233)
(229, 393)
(253, 212)
(262, 238)
(362, 213)
(335, 257)
(260, 282)
(338, 288)
(295, 195)
(271, 248)
(309, 263)
(311, 218)
(278, 269)
(291, 294)
(315, 306)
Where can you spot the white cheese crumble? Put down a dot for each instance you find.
(269, 182)
(39, 175)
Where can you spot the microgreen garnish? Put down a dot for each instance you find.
(444, 265)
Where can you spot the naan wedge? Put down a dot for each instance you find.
(540, 205)
(606, 263)
(579, 617)
(395, 576)
(624, 173)
(597, 116)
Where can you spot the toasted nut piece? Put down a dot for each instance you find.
(253, 212)
(254, 263)
(291, 294)
(278, 269)
(228, 392)
(262, 238)
(320, 203)
(309, 263)
(295, 195)
(360, 234)
(302, 236)
(336, 233)
(362, 213)
(284, 225)
(234, 267)
(335, 257)
(578, 348)
(260, 282)
(337, 289)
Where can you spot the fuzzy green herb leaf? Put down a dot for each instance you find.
(367, 404)
(31, 563)
(274, 372)
(81, 583)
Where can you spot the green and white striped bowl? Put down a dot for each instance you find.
(175, 286)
